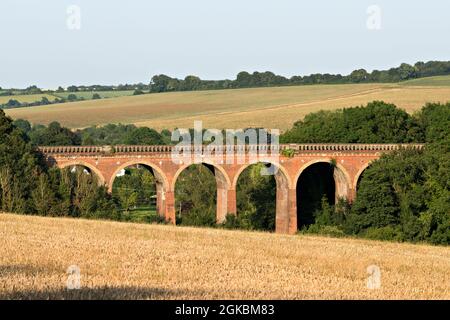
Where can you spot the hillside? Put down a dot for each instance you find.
(123, 260)
(276, 107)
(429, 81)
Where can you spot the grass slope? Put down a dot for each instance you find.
(103, 94)
(124, 260)
(27, 97)
(277, 107)
(429, 81)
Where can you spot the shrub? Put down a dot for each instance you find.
(383, 233)
(199, 218)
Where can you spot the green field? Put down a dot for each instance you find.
(429, 81)
(274, 107)
(27, 97)
(103, 94)
(87, 95)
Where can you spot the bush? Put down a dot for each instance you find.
(137, 92)
(333, 231)
(383, 233)
(199, 218)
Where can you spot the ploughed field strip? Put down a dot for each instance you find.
(348, 162)
(137, 261)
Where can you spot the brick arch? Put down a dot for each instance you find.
(159, 174)
(243, 167)
(98, 173)
(222, 186)
(341, 177)
(220, 170)
(283, 203)
(162, 184)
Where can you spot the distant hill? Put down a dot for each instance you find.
(274, 107)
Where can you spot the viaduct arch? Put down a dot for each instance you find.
(348, 160)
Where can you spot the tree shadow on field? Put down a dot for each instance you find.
(84, 293)
(101, 293)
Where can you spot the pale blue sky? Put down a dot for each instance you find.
(129, 41)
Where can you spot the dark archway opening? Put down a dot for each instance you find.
(134, 192)
(196, 196)
(315, 183)
(256, 198)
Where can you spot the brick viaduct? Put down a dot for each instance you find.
(227, 163)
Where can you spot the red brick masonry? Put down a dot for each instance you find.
(227, 163)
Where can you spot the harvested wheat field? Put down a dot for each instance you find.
(136, 261)
(274, 107)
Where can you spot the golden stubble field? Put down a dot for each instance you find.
(277, 107)
(136, 261)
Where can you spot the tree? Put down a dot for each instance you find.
(20, 164)
(195, 196)
(43, 196)
(44, 101)
(434, 119)
(407, 71)
(377, 122)
(142, 136)
(191, 83)
(72, 89)
(12, 103)
(54, 135)
(359, 75)
(137, 92)
(72, 97)
(96, 96)
(243, 79)
(22, 124)
(163, 83)
(33, 90)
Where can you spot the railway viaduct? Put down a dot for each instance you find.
(227, 163)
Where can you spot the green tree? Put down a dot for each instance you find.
(143, 136)
(377, 122)
(43, 196)
(72, 97)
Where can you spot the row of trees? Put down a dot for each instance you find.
(13, 103)
(164, 83)
(99, 88)
(56, 135)
(377, 122)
